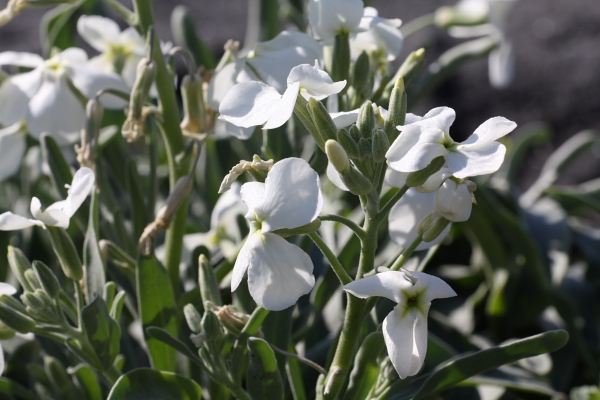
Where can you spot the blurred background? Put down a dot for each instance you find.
(556, 45)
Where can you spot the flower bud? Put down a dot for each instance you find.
(381, 144)
(322, 119)
(366, 120)
(193, 318)
(348, 143)
(337, 156)
(397, 109)
(134, 125)
(14, 315)
(360, 78)
(66, 252)
(434, 182)
(356, 182)
(207, 282)
(365, 151)
(355, 133)
(47, 279)
(194, 111)
(33, 280)
(418, 178)
(214, 336)
(234, 321)
(19, 263)
(432, 226)
(32, 301)
(453, 201)
(411, 66)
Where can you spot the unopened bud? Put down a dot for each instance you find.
(337, 156)
(381, 144)
(322, 119)
(365, 149)
(33, 302)
(366, 120)
(214, 336)
(411, 66)
(397, 110)
(33, 280)
(193, 318)
(47, 279)
(194, 122)
(418, 178)
(207, 282)
(360, 79)
(432, 226)
(19, 263)
(340, 67)
(356, 182)
(234, 321)
(145, 75)
(355, 133)
(14, 315)
(67, 253)
(345, 140)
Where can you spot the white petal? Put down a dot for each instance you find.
(254, 195)
(14, 96)
(244, 259)
(395, 178)
(55, 109)
(344, 118)
(314, 82)
(436, 180)
(501, 65)
(227, 77)
(13, 222)
(330, 17)
(439, 117)
(416, 147)
(292, 195)
(82, 185)
(53, 216)
(99, 32)
(8, 289)
(407, 214)
(73, 56)
(19, 59)
(388, 284)
(12, 150)
(453, 201)
(284, 108)
(249, 104)
(2, 362)
(476, 160)
(435, 288)
(405, 335)
(90, 81)
(335, 178)
(279, 273)
(491, 130)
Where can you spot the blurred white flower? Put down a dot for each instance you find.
(381, 36)
(57, 214)
(278, 271)
(249, 104)
(405, 328)
(9, 290)
(329, 18)
(12, 149)
(44, 98)
(427, 138)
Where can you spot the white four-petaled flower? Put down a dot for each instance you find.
(278, 271)
(329, 18)
(57, 214)
(380, 36)
(405, 328)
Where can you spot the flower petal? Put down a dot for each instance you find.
(344, 118)
(385, 284)
(14, 96)
(8, 289)
(249, 104)
(476, 160)
(435, 288)
(12, 150)
(453, 201)
(284, 108)
(227, 77)
(292, 195)
(279, 272)
(82, 185)
(244, 259)
(90, 81)
(491, 130)
(13, 222)
(52, 216)
(21, 59)
(335, 177)
(99, 32)
(395, 178)
(501, 65)
(405, 335)
(314, 82)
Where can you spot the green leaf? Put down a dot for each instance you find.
(102, 331)
(167, 338)
(149, 384)
(12, 388)
(263, 379)
(95, 277)
(59, 167)
(515, 381)
(185, 35)
(157, 307)
(476, 363)
(366, 367)
(87, 381)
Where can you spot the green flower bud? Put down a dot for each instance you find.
(14, 315)
(356, 182)
(397, 110)
(134, 124)
(365, 151)
(194, 111)
(213, 332)
(411, 66)
(348, 143)
(418, 178)
(381, 144)
(66, 252)
(337, 156)
(366, 120)
(33, 302)
(193, 318)
(33, 280)
(355, 133)
(322, 119)
(207, 281)
(19, 264)
(47, 279)
(432, 226)
(360, 79)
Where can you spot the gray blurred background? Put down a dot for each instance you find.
(556, 44)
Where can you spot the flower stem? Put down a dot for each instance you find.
(335, 263)
(343, 220)
(388, 206)
(406, 253)
(417, 24)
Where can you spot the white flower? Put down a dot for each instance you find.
(57, 214)
(427, 138)
(254, 103)
(380, 35)
(278, 271)
(454, 201)
(9, 290)
(269, 62)
(329, 18)
(405, 328)
(43, 96)
(12, 149)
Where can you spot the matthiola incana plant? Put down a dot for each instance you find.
(309, 270)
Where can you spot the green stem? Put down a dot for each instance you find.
(124, 12)
(335, 263)
(343, 220)
(388, 206)
(417, 24)
(406, 253)
(239, 347)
